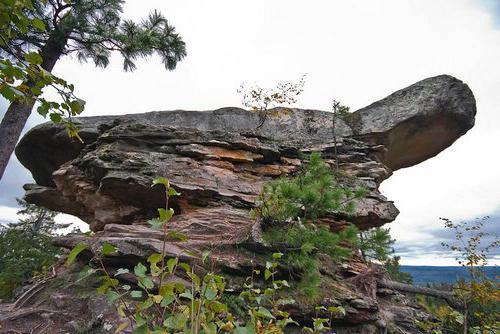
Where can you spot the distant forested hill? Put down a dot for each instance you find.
(430, 274)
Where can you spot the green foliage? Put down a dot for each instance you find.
(159, 303)
(32, 32)
(289, 208)
(321, 324)
(311, 194)
(480, 296)
(80, 247)
(22, 76)
(26, 248)
(472, 247)
(301, 243)
(394, 270)
(376, 244)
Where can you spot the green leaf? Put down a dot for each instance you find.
(56, 118)
(263, 312)
(172, 192)
(33, 58)
(146, 283)
(177, 236)
(112, 296)
(277, 255)
(185, 266)
(210, 328)
(248, 329)
(337, 310)
(204, 256)
(154, 258)
(155, 223)
(210, 294)
(85, 272)
(38, 24)
(177, 321)
(186, 294)
(43, 109)
(8, 92)
(143, 329)
(80, 247)
(165, 215)
(140, 270)
(171, 264)
(136, 294)
(107, 249)
(75, 106)
(162, 180)
(267, 274)
(167, 300)
(195, 279)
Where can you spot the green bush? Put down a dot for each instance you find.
(158, 303)
(313, 193)
(376, 244)
(23, 254)
(300, 245)
(289, 209)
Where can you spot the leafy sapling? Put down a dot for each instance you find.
(261, 100)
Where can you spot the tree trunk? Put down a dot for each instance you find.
(17, 114)
(403, 287)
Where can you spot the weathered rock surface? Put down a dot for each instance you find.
(219, 161)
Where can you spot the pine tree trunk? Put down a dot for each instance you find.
(17, 114)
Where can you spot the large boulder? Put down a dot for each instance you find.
(219, 161)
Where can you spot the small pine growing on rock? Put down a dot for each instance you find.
(289, 209)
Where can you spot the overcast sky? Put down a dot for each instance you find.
(354, 51)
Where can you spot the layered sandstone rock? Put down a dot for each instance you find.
(218, 160)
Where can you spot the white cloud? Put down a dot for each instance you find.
(8, 215)
(74, 222)
(356, 51)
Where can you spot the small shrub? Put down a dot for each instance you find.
(26, 248)
(159, 303)
(261, 100)
(289, 209)
(376, 244)
(313, 193)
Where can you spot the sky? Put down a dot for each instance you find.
(354, 51)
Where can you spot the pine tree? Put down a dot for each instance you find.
(313, 193)
(26, 247)
(91, 29)
(36, 219)
(376, 244)
(289, 209)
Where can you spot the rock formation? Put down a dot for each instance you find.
(218, 160)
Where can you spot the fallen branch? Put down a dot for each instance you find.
(36, 288)
(409, 288)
